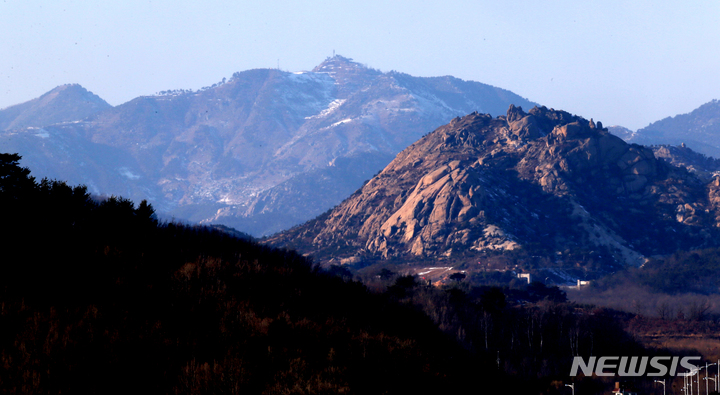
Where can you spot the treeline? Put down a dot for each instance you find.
(529, 333)
(683, 272)
(680, 287)
(683, 284)
(97, 296)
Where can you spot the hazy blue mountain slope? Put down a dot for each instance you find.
(66, 103)
(266, 142)
(699, 130)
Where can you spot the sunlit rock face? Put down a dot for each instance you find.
(544, 179)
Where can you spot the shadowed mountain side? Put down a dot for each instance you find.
(306, 194)
(63, 154)
(544, 181)
(705, 167)
(116, 302)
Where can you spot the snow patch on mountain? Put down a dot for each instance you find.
(346, 120)
(329, 110)
(125, 172)
(304, 77)
(430, 104)
(307, 94)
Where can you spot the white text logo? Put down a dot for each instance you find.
(633, 366)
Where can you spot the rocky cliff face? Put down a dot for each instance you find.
(265, 149)
(705, 167)
(540, 181)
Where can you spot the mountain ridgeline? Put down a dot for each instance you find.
(698, 129)
(261, 151)
(538, 184)
(66, 103)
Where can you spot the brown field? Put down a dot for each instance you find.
(707, 346)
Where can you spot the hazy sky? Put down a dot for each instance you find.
(620, 62)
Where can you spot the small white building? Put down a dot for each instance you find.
(525, 276)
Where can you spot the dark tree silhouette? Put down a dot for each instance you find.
(458, 276)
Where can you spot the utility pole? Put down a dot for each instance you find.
(710, 378)
(698, 380)
(690, 379)
(663, 383)
(689, 383)
(707, 372)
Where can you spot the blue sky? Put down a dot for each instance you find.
(620, 62)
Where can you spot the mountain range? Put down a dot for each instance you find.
(698, 130)
(261, 151)
(529, 185)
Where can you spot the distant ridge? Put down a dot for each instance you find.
(65, 103)
(260, 151)
(698, 129)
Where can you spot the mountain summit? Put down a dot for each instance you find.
(263, 150)
(65, 103)
(544, 182)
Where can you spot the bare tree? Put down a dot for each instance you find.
(664, 310)
(698, 309)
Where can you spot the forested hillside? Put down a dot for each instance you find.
(96, 296)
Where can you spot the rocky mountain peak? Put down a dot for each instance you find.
(338, 63)
(544, 179)
(349, 76)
